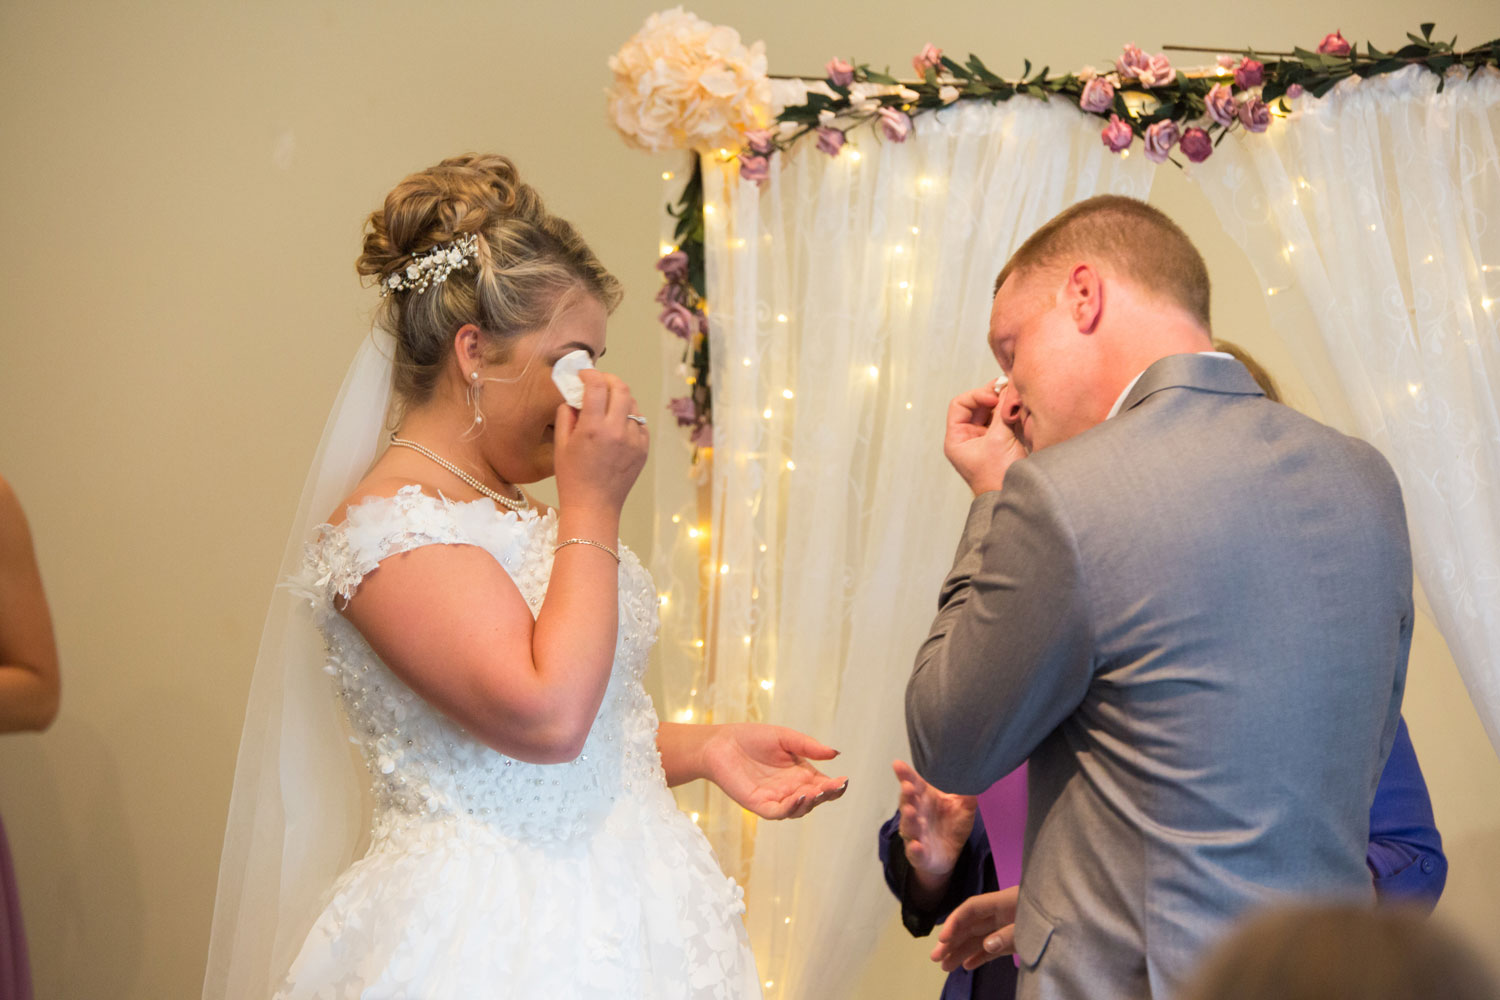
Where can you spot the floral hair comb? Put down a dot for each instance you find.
(432, 267)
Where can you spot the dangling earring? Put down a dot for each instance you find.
(474, 387)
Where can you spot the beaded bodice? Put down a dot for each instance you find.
(430, 779)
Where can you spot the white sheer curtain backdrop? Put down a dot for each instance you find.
(1372, 218)
(849, 301)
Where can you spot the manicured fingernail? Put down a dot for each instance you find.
(801, 799)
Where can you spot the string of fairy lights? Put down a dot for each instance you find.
(694, 622)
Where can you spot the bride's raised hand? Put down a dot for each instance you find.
(599, 450)
(767, 769)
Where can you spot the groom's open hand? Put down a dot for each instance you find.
(980, 440)
(768, 770)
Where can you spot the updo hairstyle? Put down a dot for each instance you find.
(529, 263)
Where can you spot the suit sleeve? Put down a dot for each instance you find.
(1405, 855)
(1009, 655)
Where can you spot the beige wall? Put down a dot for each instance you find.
(180, 201)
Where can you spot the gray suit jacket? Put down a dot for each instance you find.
(1193, 620)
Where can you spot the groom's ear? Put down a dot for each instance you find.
(1083, 295)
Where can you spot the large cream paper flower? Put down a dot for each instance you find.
(682, 83)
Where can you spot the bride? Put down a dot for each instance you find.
(485, 655)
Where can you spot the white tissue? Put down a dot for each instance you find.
(1001, 382)
(565, 376)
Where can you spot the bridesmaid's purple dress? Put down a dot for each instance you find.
(15, 973)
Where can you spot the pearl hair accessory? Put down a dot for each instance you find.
(432, 267)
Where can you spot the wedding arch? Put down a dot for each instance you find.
(827, 258)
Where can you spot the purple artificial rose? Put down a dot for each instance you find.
(685, 410)
(1255, 115)
(830, 140)
(1160, 138)
(673, 265)
(1133, 61)
(669, 292)
(1249, 73)
(1098, 95)
(894, 124)
(703, 437)
(930, 55)
(1157, 72)
(1334, 44)
(760, 141)
(1196, 145)
(839, 73)
(1117, 135)
(755, 168)
(1221, 106)
(679, 320)
(1294, 91)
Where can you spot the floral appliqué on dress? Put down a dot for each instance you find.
(487, 876)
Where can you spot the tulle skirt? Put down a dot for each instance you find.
(452, 909)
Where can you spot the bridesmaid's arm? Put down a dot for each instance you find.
(29, 685)
(764, 768)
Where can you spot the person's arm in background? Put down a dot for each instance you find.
(29, 684)
(920, 913)
(1405, 854)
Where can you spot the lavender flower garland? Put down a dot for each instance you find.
(1169, 111)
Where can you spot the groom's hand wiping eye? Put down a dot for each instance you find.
(978, 441)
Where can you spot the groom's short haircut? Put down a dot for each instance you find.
(1125, 236)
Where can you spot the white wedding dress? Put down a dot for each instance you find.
(490, 877)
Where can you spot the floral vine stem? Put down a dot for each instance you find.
(1142, 96)
(683, 297)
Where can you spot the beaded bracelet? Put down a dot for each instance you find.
(587, 541)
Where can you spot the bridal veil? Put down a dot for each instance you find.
(295, 811)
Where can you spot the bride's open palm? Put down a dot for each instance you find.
(768, 769)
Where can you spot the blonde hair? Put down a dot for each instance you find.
(1340, 952)
(1257, 371)
(529, 263)
(1128, 237)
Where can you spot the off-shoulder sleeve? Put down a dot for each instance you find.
(340, 556)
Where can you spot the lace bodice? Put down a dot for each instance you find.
(487, 877)
(429, 778)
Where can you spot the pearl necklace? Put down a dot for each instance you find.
(521, 504)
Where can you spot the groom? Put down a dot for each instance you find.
(1190, 609)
